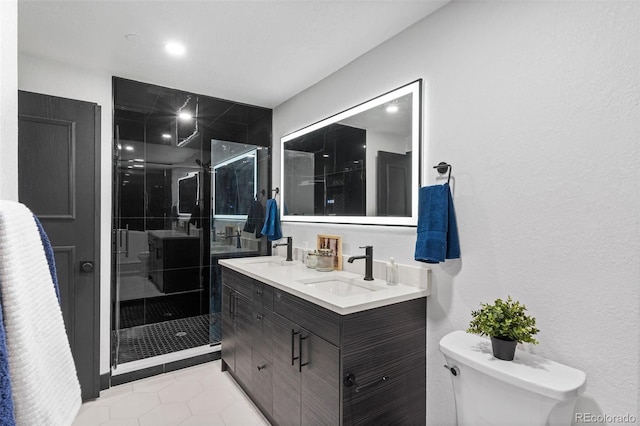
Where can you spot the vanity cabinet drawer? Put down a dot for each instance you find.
(238, 282)
(318, 320)
(256, 291)
(262, 294)
(261, 379)
(262, 331)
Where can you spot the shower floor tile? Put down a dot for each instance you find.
(161, 338)
(199, 395)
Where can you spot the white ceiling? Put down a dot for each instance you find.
(257, 52)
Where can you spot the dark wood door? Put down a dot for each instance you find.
(58, 179)
(394, 184)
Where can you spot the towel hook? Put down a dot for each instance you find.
(442, 168)
(277, 190)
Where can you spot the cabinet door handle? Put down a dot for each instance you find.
(259, 292)
(235, 305)
(300, 364)
(293, 357)
(261, 367)
(259, 317)
(231, 304)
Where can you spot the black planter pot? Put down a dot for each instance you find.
(503, 348)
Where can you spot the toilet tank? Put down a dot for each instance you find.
(529, 390)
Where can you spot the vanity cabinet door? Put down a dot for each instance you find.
(320, 387)
(236, 333)
(228, 341)
(244, 324)
(286, 377)
(306, 375)
(388, 364)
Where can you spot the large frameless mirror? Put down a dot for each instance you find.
(358, 166)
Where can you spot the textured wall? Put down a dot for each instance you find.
(535, 104)
(8, 100)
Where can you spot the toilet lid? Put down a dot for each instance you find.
(527, 371)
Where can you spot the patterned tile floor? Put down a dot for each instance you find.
(170, 336)
(199, 395)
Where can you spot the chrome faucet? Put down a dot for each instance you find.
(289, 245)
(368, 257)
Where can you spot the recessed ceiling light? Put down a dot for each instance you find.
(325, 155)
(185, 116)
(128, 148)
(175, 49)
(139, 160)
(393, 108)
(166, 135)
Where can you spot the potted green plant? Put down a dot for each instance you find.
(506, 322)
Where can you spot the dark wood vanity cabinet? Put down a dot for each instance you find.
(303, 364)
(174, 261)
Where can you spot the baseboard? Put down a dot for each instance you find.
(105, 379)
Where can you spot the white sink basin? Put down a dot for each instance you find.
(342, 286)
(269, 263)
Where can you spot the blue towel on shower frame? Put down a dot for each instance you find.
(272, 228)
(437, 229)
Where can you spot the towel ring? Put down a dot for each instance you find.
(442, 168)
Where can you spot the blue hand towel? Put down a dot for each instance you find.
(6, 401)
(271, 227)
(48, 252)
(437, 229)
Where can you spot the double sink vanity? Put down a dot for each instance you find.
(327, 348)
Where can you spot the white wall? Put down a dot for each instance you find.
(8, 100)
(51, 78)
(535, 104)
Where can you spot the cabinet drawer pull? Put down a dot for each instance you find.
(350, 380)
(259, 317)
(259, 292)
(261, 367)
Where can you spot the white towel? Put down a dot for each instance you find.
(44, 382)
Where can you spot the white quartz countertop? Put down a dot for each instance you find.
(295, 278)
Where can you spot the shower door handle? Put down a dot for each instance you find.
(126, 241)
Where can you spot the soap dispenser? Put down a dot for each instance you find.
(392, 272)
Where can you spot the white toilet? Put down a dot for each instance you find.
(529, 390)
